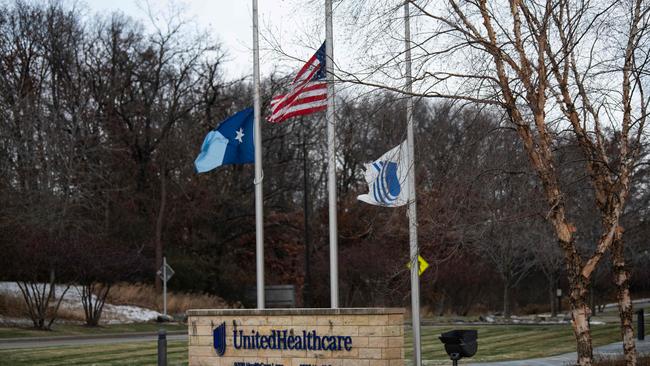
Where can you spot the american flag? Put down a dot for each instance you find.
(307, 92)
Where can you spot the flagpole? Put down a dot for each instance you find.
(257, 139)
(412, 214)
(331, 155)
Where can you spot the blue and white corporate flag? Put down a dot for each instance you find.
(387, 178)
(230, 143)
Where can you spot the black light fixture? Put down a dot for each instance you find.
(460, 343)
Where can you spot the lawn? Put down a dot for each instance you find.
(137, 353)
(73, 329)
(496, 343)
(510, 342)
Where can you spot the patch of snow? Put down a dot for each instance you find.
(111, 314)
(115, 314)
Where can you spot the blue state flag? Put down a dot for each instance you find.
(230, 143)
(387, 178)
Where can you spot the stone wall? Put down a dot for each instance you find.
(377, 336)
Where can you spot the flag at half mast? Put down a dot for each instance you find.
(307, 92)
(387, 178)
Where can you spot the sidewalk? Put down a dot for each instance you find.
(614, 349)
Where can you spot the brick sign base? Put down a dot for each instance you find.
(351, 337)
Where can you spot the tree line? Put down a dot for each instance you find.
(101, 122)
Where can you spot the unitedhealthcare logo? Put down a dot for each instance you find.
(280, 340)
(219, 339)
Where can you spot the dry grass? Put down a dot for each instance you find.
(607, 361)
(144, 295)
(14, 307)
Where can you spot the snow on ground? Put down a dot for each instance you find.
(112, 314)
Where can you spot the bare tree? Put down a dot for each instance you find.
(40, 195)
(37, 267)
(42, 302)
(144, 88)
(510, 255)
(97, 262)
(509, 199)
(548, 258)
(553, 68)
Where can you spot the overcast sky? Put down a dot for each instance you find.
(230, 22)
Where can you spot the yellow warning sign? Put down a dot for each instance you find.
(423, 265)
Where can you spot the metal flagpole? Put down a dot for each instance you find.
(257, 139)
(331, 155)
(412, 214)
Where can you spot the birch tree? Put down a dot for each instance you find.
(556, 69)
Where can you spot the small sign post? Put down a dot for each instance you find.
(165, 272)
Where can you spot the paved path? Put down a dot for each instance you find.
(35, 342)
(614, 349)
